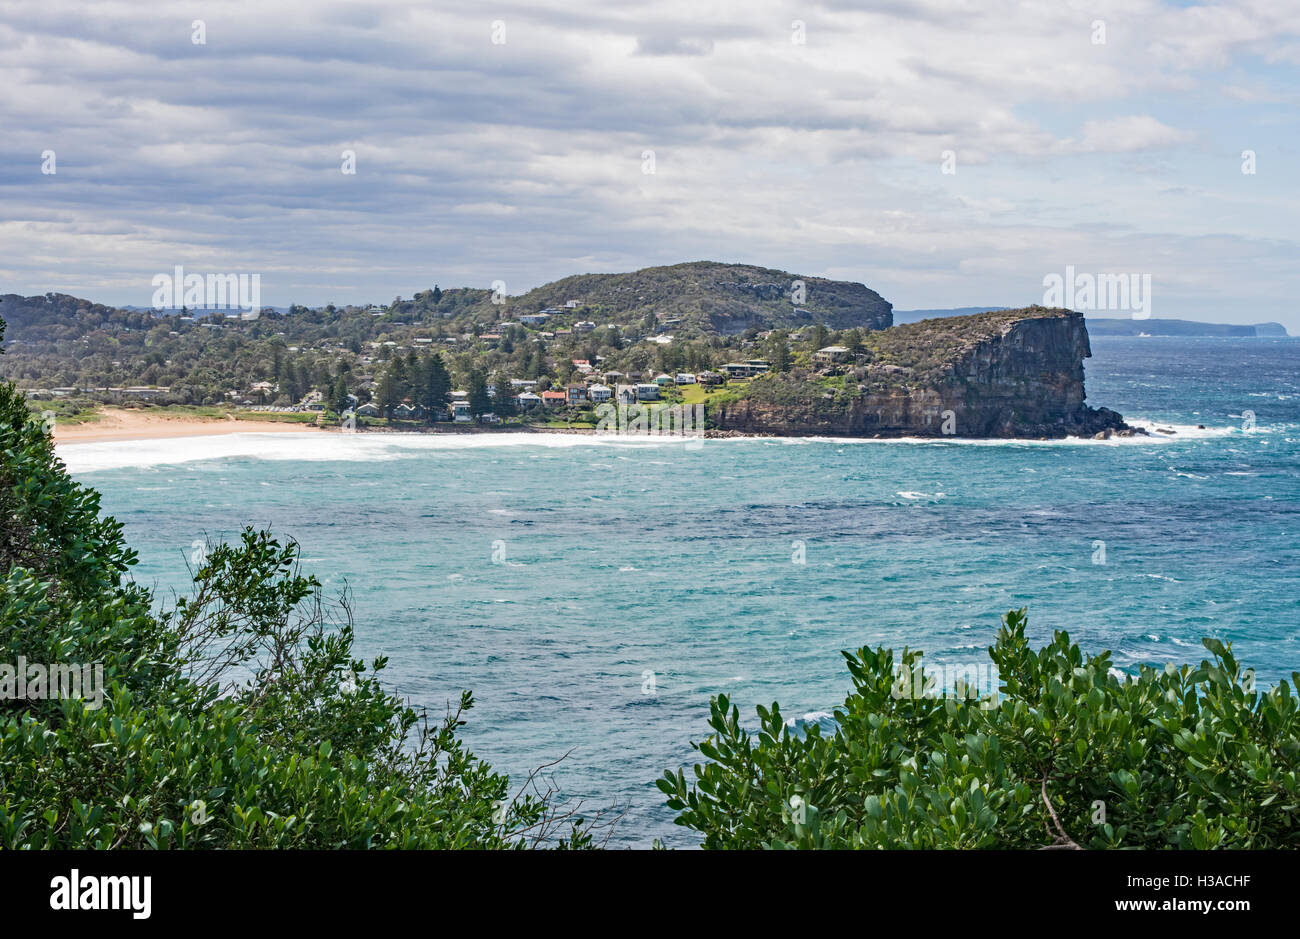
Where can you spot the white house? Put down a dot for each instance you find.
(648, 392)
(527, 399)
(685, 378)
(599, 393)
(831, 354)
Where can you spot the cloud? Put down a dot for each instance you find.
(1131, 133)
(815, 148)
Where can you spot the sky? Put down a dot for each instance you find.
(945, 153)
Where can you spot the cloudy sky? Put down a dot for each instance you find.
(524, 141)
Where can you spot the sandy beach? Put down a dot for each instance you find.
(122, 424)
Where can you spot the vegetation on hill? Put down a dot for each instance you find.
(1068, 754)
(707, 296)
(684, 318)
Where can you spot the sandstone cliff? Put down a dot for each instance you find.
(1011, 373)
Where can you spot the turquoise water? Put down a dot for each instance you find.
(551, 574)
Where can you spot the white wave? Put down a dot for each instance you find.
(364, 448)
(379, 447)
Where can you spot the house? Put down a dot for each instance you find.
(534, 319)
(460, 412)
(528, 400)
(647, 392)
(745, 369)
(553, 398)
(585, 326)
(831, 354)
(570, 304)
(626, 394)
(612, 377)
(523, 384)
(576, 394)
(685, 378)
(407, 412)
(490, 418)
(578, 363)
(662, 380)
(599, 393)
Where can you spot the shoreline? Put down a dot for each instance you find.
(122, 424)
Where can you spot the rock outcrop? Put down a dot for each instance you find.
(1014, 373)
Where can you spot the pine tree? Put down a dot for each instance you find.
(480, 402)
(436, 385)
(504, 403)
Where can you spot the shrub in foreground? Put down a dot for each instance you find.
(1069, 754)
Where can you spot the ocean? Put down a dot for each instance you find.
(594, 592)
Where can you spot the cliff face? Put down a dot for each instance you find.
(1014, 374)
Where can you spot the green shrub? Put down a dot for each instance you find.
(1070, 754)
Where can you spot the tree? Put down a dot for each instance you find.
(778, 352)
(504, 402)
(437, 384)
(480, 402)
(1063, 753)
(339, 395)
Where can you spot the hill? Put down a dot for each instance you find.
(712, 297)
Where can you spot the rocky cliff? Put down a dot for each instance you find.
(1011, 373)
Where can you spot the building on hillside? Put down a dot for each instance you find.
(647, 392)
(829, 354)
(599, 394)
(745, 369)
(553, 398)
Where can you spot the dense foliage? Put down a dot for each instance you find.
(715, 312)
(237, 717)
(1071, 754)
